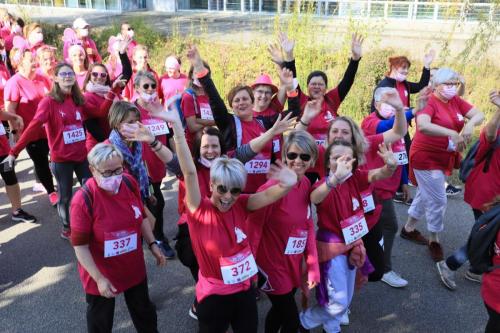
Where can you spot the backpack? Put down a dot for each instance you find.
(469, 161)
(480, 246)
(178, 105)
(88, 198)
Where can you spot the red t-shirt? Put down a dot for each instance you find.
(170, 87)
(113, 216)
(258, 167)
(203, 182)
(200, 110)
(92, 109)
(156, 168)
(319, 125)
(274, 108)
(64, 127)
(342, 202)
(216, 235)
(430, 152)
(481, 188)
(490, 288)
(386, 188)
(27, 94)
(274, 229)
(403, 93)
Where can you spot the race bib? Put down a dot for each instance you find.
(276, 145)
(156, 127)
(354, 227)
(401, 157)
(258, 165)
(2, 129)
(117, 243)
(368, 202)
(206, 112)
(73, 135)
(238, 268)
(296, 243)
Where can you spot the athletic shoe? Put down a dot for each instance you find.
(414, 236)
(410, 183)
(394, 280)
(452, 190)
(38, 187)
(408, 202)
(21, 216)
(436, 251)
(473, 276)
(446, 275)
(65, 234)
(167, 251)
(344, 321)
(399, 197)
(192, 312)
(53, 198)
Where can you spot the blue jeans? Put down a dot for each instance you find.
(459, 257)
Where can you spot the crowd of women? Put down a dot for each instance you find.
(270, 200)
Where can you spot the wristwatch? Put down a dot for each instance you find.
(157, 242)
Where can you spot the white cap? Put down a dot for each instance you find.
(80, 23)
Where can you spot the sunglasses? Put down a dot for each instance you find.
(66, 74)
(97, 74)
(146, 86)
(303, 157)
(221, 189)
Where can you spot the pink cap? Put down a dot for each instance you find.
(171, 62)
(265, 80)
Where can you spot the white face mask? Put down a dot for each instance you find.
(206, 163)
(96, 88)
(110, 184)
(84, 32)
(17, 29)
(400, 77)
(197, 82)
(36, 38)
(130, 33)
(449, 92)
(386, 111)
(147, 98)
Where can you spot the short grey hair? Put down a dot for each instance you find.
(379, 92)
(103, 152)
(140, 75)
(228, 172)
(443, 75)
(304, 141)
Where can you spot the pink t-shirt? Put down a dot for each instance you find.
(112, 218)
(282, 235)
(80, 78)
(216, 235)
(171, 86)
(27, 94)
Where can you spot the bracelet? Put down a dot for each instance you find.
(154, 143)
(178, 137)
(330, 186)
(152, 243)
(303, 123)
(201, 74)
(293, 93)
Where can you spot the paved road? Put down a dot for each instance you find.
(40, 290)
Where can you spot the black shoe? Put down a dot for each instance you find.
(167, 251)
(399, 197)
(192, 312)
(21, 216)
(452, 190)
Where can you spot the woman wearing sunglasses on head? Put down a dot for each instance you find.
(241, 127)
(282, 236)
(61, 114)
(219, 236)
(140, 63)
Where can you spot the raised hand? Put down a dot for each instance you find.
(137, 133)
(495, 97)
(311, 110)
(119, 82)
(287, 45)
(194, 57)
(385, 152)
(282, 125)
(286, 79)
(344, 168)
(123, 44)
(286, 177)
(429, 58)
(356, 46)
(275, 53)
(392, 98)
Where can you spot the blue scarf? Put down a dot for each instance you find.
(136, 165)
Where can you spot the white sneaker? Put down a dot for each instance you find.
(394, 280)
(344, 321)
(38, 187)
(446, 275)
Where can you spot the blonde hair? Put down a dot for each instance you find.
(228, 172)
(103, 152)
(119, 111)
(359, 142)
(304, 141)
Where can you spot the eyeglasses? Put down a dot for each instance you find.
(109, 173)
(146, 86)
(303, 157)
(66, 74)
(97, 74)
(221, 189)
(264, 92)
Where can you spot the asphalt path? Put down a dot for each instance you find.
(40, 290)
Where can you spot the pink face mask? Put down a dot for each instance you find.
(400, 77)
(449, 92)
(110, 184)
(147, 98)
(386, 111)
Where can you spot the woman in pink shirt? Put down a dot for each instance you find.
(139, 63)
(80, 62)
(34, 35)
(173, 82)
(46, 59)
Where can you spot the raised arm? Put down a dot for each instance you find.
(123, 45)
(343, 171)
(280, 126)
(493, 125)
(415, 87)
(385, 152)
(400, 126)
(311, 111)
(350, 73)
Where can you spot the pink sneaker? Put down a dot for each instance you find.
(53, 198)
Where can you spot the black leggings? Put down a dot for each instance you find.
(185, 250)
(493, 325)
(38, 151)
(9, 177)
(283, 316)
(157, 211)
(375, 252)
(217, 312)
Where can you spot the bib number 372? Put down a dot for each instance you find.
(238, 268)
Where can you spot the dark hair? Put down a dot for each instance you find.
(89, 73)
(315, 74)
(20, 22)
(335, 143)
(57, 94)
(237, 89)
(212, 131)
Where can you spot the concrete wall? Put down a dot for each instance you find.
(169, 6)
